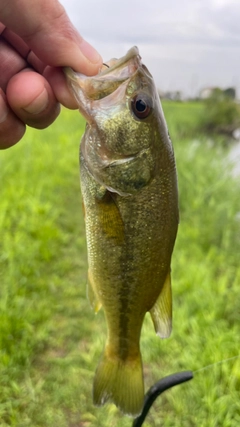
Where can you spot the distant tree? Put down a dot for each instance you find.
(221, 113)
(230, 92)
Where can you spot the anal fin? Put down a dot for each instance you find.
(161, 312)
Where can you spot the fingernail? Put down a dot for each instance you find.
(4, 110)
(39, 104)
(89, 52)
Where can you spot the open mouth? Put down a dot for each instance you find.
(112, 75)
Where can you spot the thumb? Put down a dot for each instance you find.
(47, 30)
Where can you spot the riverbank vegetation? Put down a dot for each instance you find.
(50, 339)
(221, 114)
(217, 116)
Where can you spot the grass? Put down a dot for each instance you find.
(183, 117)
(50, 340)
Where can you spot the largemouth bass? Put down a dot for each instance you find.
(129, 189)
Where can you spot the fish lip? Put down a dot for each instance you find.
(131, 54)
(116, 64)
(88, 89)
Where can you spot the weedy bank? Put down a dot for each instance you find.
(50, 340)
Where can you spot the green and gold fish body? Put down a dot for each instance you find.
(129, 188)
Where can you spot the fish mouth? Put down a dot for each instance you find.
(112, 75)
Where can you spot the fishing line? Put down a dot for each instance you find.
(169, 382)
(216, 363)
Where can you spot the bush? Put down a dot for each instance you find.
(221, 113)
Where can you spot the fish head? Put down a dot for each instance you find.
(124, 122)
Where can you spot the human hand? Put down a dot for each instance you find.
(36, 39)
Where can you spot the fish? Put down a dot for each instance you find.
(130, 198)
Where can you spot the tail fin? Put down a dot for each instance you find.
(120, 381)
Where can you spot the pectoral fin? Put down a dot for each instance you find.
(110, 219)
(93, 299)
(161, 312)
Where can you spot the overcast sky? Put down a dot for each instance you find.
(186, 44)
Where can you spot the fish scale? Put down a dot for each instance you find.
(130, 196)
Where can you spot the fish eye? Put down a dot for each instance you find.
(141, 106)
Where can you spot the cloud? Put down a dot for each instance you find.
(155, 21)
(177, 40)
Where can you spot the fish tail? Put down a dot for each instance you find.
(121, 382)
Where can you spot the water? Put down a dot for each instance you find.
(234, 157)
